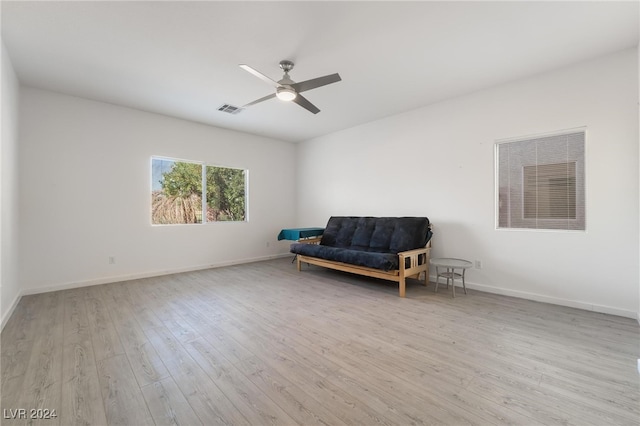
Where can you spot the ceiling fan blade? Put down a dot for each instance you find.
(316, 82)
(258, 74)
(304, 103)
(257, 101)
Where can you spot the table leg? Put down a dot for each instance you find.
(464, 286)
(453, 282)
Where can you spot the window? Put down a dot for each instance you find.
(541, 182)
(177, 192)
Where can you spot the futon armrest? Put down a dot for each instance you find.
(409, 253)
(416, 257)
(312, 240)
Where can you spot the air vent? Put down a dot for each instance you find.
(230, 109)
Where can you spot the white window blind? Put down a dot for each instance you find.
(541, 182)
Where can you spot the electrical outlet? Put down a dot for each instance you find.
(112, 260)
(268, 243)
(478, 264)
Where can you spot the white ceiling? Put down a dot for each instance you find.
(181, 58)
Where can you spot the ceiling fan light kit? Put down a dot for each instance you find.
(286, 94)
(288, 90)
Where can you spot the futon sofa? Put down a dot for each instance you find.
(391, 248)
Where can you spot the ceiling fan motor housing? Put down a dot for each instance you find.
(286, 65)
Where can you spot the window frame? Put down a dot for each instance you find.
(203, 197)
(579, 224)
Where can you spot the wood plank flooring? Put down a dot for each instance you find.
(264, 344)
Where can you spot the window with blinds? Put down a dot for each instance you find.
(541, 182)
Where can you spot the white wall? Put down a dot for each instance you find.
(438, 161)
(85, 193)
(9, 283)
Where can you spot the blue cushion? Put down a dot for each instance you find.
(391, 234)
(370, 259)
(410, 233)
(364, 231)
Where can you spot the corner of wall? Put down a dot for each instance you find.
(6, 314)
(9, 243)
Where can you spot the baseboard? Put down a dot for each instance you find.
(552, 300)
(120, 278)
(7, 315)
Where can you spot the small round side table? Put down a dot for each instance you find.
(451, 264)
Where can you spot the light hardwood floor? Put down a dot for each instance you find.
(263, 344)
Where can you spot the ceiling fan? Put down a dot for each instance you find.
(289, 90)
